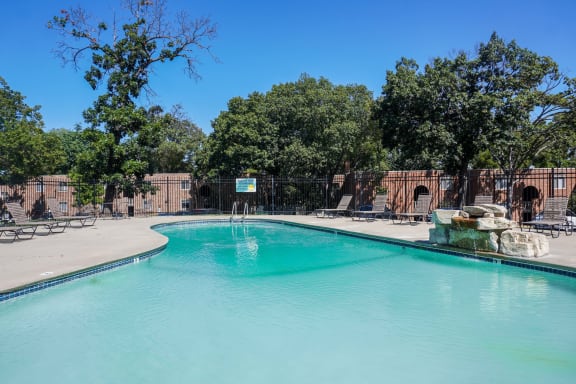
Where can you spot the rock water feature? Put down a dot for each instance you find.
(485, 228)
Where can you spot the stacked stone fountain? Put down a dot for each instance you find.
(485, 228)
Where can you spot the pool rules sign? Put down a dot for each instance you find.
(246, 185)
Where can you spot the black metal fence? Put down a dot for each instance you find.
(271, 195)
(180, 194)
(175, 195)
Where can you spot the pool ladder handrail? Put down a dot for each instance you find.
(235, 211)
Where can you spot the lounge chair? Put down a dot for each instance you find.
(341, 208)
(26, 228)
(81, 220)
(483, 199)
(553, 217)
(378, 209)
(421, 211)
(11, 232)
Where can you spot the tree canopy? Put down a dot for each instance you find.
(503, 106)
(529, 99)
(169, 142)
(310, 127)
(506, 105)
(25, 150)
(122, 58)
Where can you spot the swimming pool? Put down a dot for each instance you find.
(264, 302)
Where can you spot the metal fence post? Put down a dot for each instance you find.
(219, 194)
(326, 191)
(552, 176)
(273, 202)
(167, 200)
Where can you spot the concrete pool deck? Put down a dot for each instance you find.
(46, 257)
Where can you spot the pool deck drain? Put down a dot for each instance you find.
(27, 262)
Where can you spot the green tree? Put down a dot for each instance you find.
(320, 125)
(504, 106)
(243, 138)
(25, 150)
(306, 128)
(530, 103)
(563, 153)
(180, 141)
(430, 120)
(123, 58)
(72, 144)
(402, 112)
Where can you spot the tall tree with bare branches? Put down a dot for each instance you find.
(122, 58)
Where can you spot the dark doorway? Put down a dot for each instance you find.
(529, 194)
(420, 190)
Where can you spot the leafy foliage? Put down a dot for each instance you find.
(306, 128)
(180, 143)
(430, 120)
(528, 98)
(123, 59)
(72, 143)
(505, 106)
(25, 150)
(243, 138)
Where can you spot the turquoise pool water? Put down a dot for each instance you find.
(269, 303)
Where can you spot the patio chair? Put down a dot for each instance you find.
(421, 211)
(11, 232)
(552, 218)
(483, 199)
(378, 209)
(83, 220)
(26, 228)
(341, 208)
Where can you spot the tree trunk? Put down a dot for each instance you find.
(462, 182)
(510, 176)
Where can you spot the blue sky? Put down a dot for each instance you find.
(262, 43)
